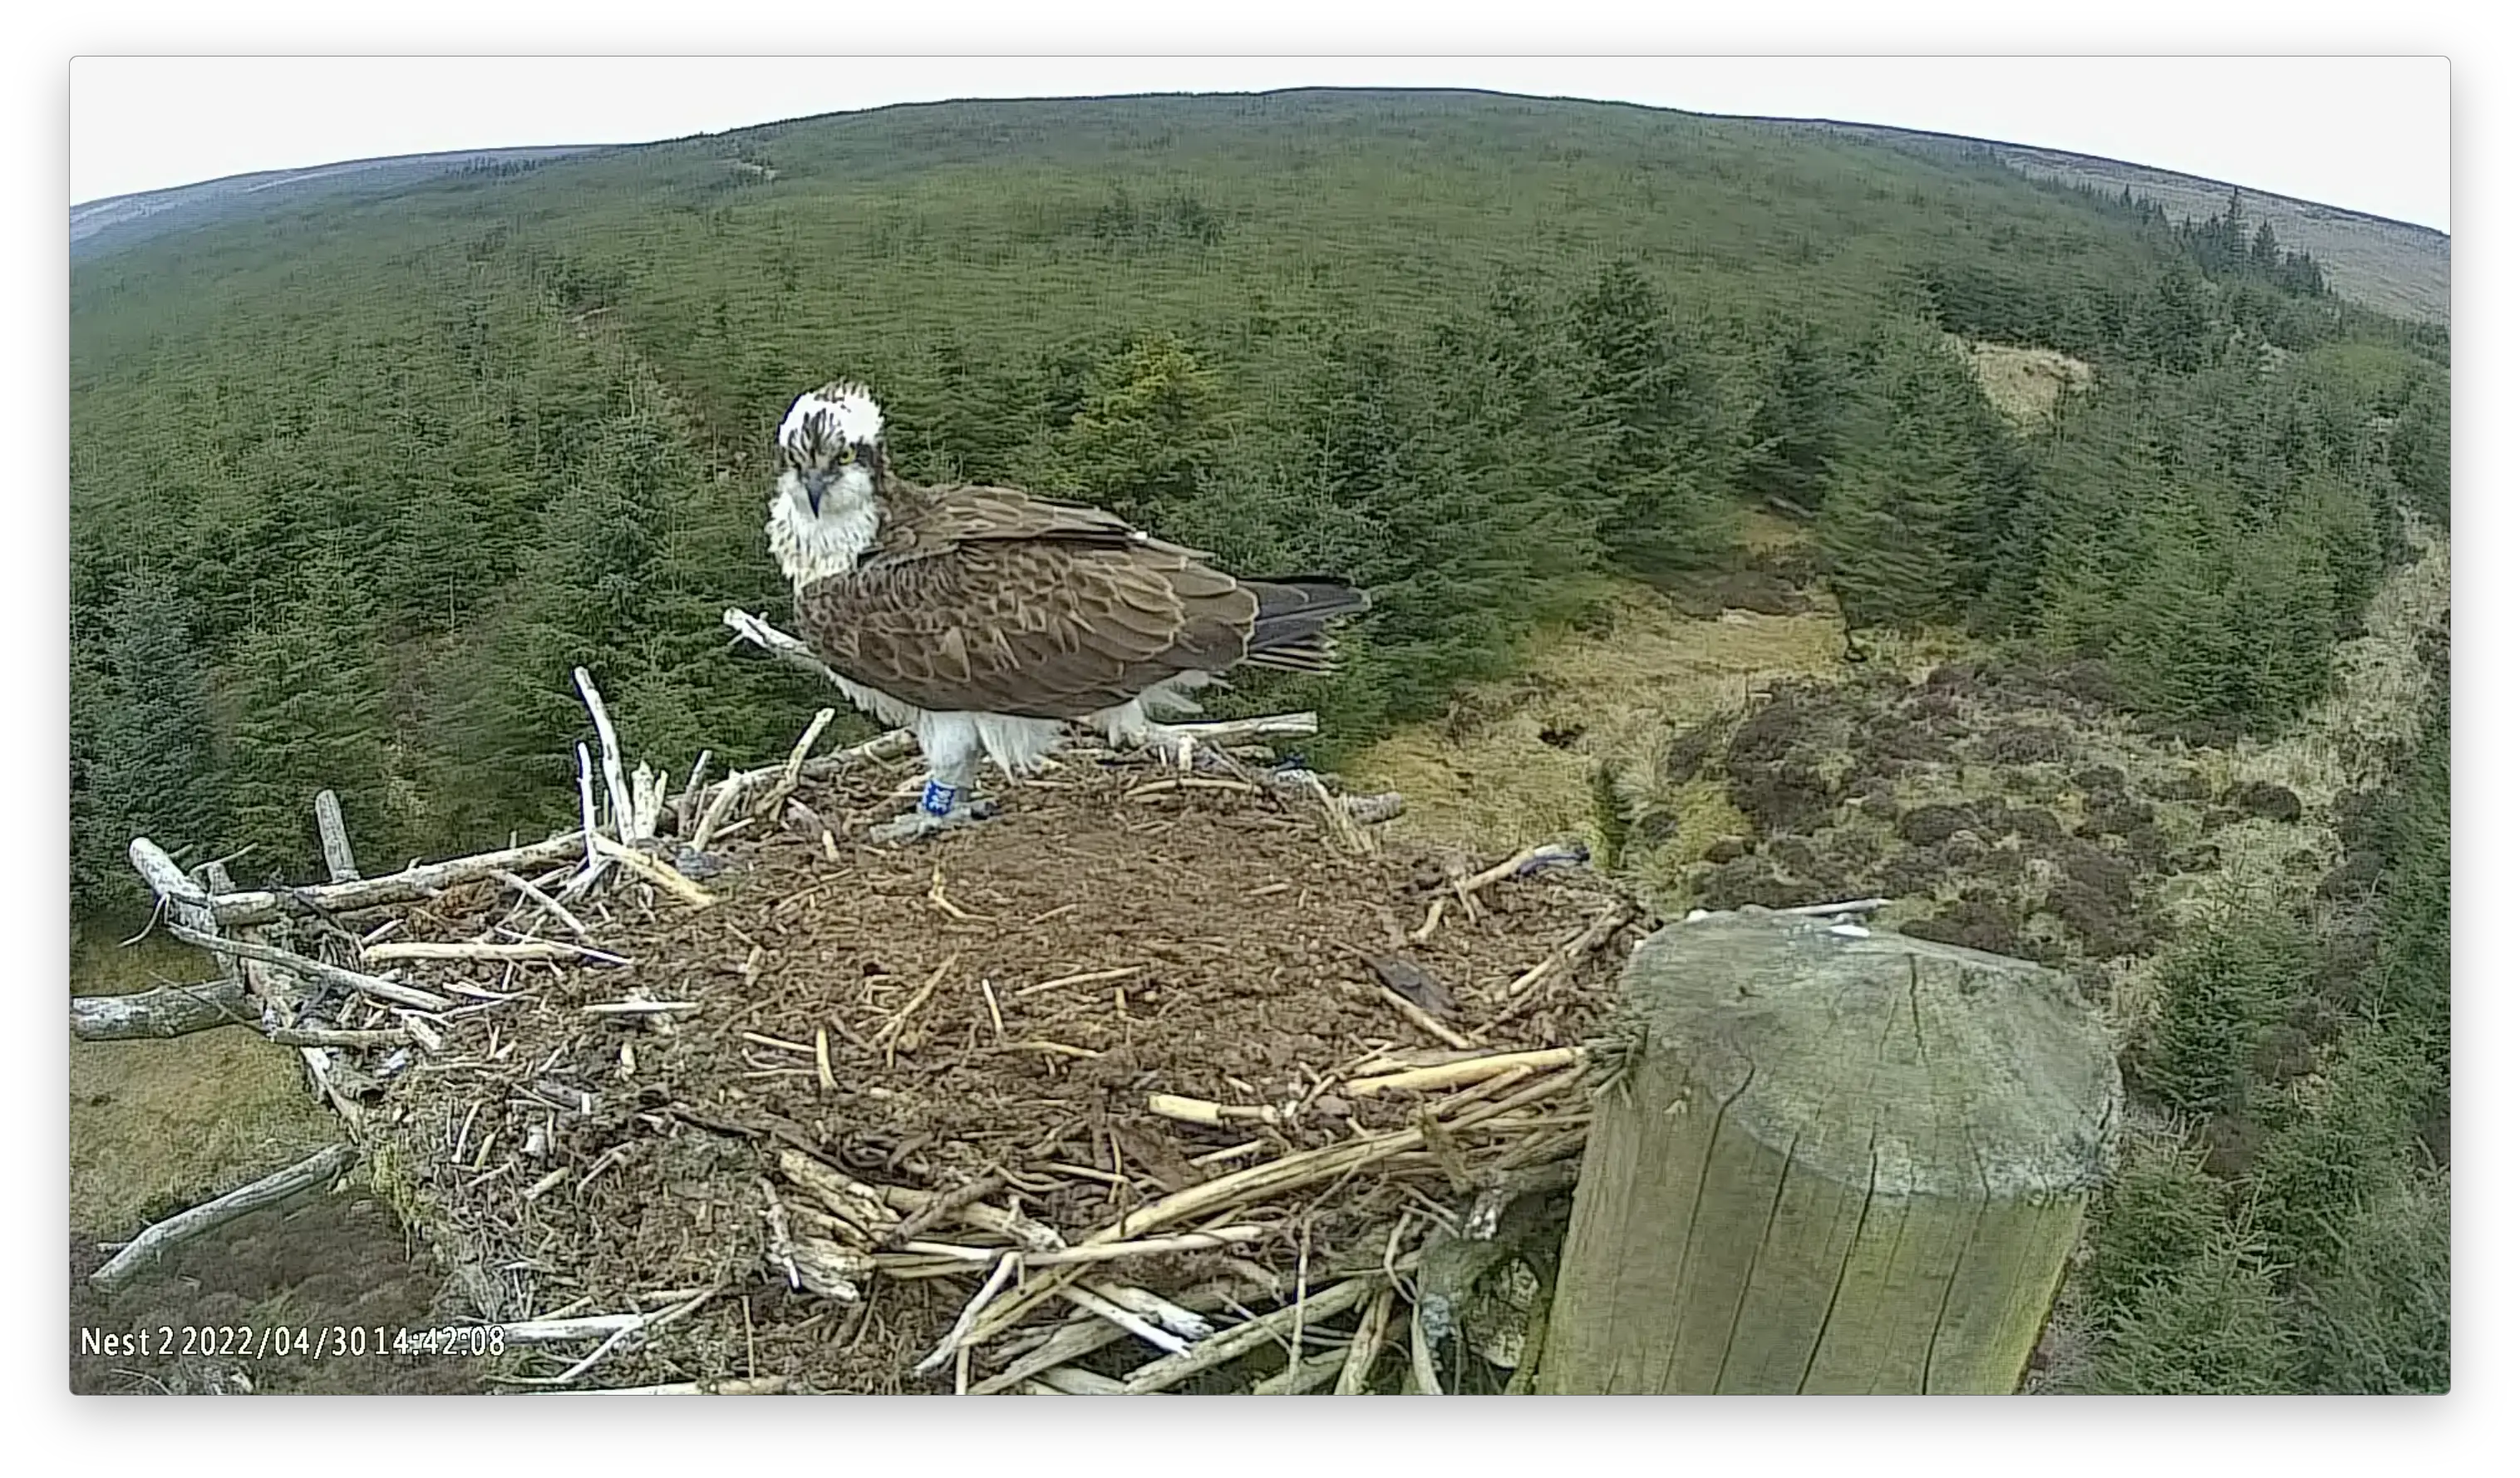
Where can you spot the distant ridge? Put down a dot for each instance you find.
(2394, 266)
(100, 226)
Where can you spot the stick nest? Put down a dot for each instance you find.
(1119, 1012)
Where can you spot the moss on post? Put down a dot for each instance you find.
(1836, 1159)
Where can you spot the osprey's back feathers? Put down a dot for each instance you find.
(986, 600)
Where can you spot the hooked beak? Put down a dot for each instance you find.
(816, 483)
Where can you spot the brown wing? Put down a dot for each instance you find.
(987, 601)
(922, 521)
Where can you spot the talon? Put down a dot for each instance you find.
(923, 822)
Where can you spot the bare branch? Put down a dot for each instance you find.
(150, 1245)
(316, 970)
(262, 906)
(548, 904)
(172, 1011)
(616, 789)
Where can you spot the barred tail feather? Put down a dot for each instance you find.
(1291, 632)
(1314, 654)
(1313, 598)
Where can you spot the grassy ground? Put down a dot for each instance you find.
(156, 1126)
(159, 1126)
(2024, 383)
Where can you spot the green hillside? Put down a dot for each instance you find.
(355, 482)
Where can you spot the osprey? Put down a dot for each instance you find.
(986, 620)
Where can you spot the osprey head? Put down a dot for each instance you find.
(831, 448)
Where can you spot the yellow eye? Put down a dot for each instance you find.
(849, 454)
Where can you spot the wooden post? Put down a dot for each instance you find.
(1837, 1160)
(335, 838)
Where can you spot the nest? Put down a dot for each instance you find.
(1158, 1080)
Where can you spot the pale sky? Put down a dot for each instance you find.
(2370, 134)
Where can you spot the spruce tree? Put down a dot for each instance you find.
(2171, 323)
(1794, 433)
(141, 738)
(1916, 504)
(2221, 989)
(309, 698)
(1148, 433)
(2420, 445)
(1662, 457)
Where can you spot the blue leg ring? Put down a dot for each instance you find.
(938, 800)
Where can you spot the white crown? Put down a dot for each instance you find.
(850, 406)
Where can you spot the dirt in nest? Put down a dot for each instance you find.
(999, 1000)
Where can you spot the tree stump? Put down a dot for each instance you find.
(1838, 1159)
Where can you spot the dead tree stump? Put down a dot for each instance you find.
(1837, 1159)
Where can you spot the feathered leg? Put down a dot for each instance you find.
(953, 763)
(1133, 726)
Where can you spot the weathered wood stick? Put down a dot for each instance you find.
(722, 799)
(335, 837)
(170, 1010)
(1209, 1114)
(1070, 1341)
(921, 1210)
(616, 789)
(1242, 1339)
(164, 879)
(657, 873)
(541, 1331)
(1468, 1070)
(739, 1385)
(327, 1036)
(1103, 1308)
(1076, 1380)
(1305, 1377)
(146, 1248)
(786, 785)
(729, 793)
(262, 906)
(1106, 1252)
(316, 970)
(779, 643)
(549, 904)
(638, 1007)
(1362, 1351)
(971, 1314)
(1544, 852)
(1173, 1316)
(691, 796)
(594, 863)
(1566, 956)
(1825, 909)
(646, 800)
(1221, 732)
(1419, 1018)
(529, 950)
